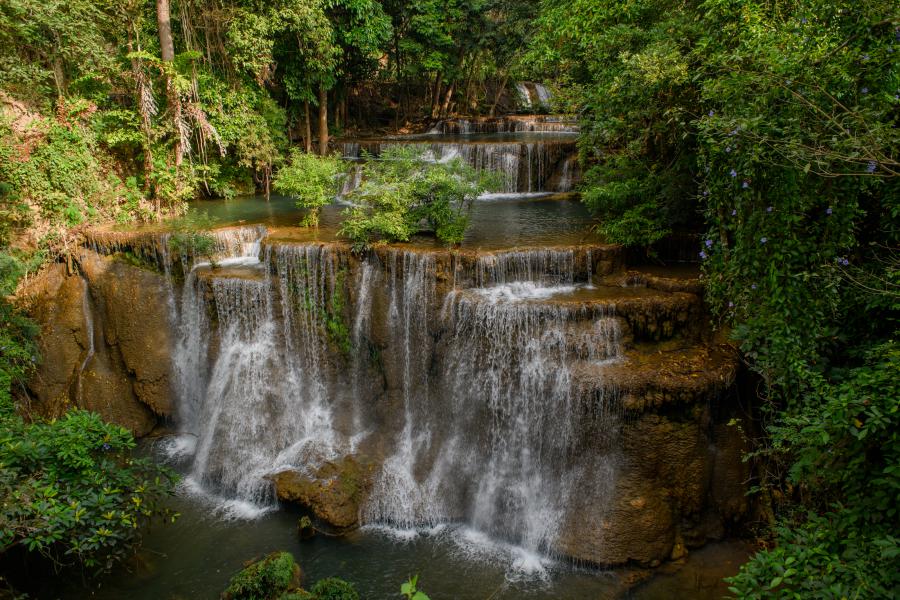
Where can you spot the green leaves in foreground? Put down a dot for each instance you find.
(409, 589)
(71, 490)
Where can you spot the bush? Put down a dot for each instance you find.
(266, 579)
(312, 180)
(402, 194)
(71, 491)
(333, 588)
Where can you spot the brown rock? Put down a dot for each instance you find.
(333, 493)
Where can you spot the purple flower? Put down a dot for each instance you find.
(828, 211)
(768, 209)
(731, 305)
(106, 446)
(763, 240)
(708, 243)
(706, 192)
(746, 184)
(727, 148)
(845, 262)
(865, 57)
(804, 21)
(711, 113)
(753, 287)
(734, 212)
(703, 254)
(733, 173)
(871, 166)
(864, 90)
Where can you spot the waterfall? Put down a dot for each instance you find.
(490, 444)
(566, 176)
(88, 333)
(399, 498)
(481, 422)
(351, 182)
(520, 166)
(539, 265)
(237, 441)
(524, 94)
(543, 95)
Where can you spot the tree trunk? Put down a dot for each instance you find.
(307, 139)
(323, 120)
(163, 19)
(167, 53)
(436, 95)
(445, 107)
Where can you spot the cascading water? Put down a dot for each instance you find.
(522, 167)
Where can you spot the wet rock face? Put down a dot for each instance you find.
(105, 342)
(333, 493)
(680, 483)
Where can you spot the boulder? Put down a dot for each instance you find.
(333, 493)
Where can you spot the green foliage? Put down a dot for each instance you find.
(267, 579)
(773, 125)
(312, 180)
(333, 588)
(409, 589)
(631, 70)
(403, 194)
(845, 544)
(71, 490)
(61, 181)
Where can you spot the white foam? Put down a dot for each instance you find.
(518, 291)
(176, 448)
(513, 195)
(228, 509)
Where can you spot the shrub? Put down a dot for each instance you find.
(402, 194)
(265, 579)
(312, 180)
(333, 588)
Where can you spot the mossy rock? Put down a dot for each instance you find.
(333, 588)
(333, 493)
(274, 577)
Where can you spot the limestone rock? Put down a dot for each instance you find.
(333, 493)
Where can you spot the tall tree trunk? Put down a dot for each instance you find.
(164, 20)
(436, 95)
(445, 107)
(337, 112)
(323, 120)
(307, 139)
(167, 53)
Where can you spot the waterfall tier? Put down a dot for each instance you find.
(523, 165)
(512, 393)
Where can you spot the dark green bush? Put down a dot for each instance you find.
(333, 588)
(266, 579)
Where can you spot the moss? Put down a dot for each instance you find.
(333, 588)
(139, 259)
(269, 578)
